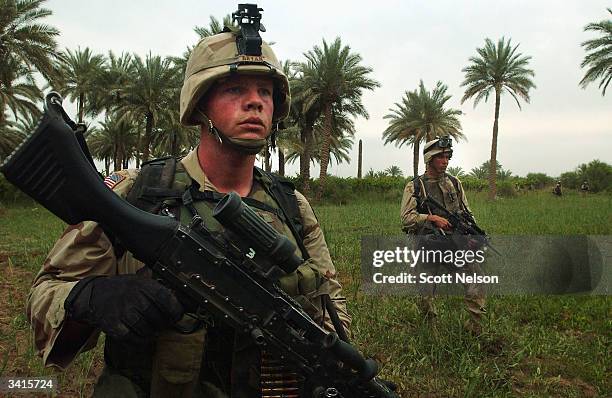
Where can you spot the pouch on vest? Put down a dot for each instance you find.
(176, 363)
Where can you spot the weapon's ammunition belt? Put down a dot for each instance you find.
(278, 380)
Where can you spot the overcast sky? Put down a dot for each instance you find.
(403, 41)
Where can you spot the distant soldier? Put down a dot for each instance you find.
(584, 188)
(429, 224)
(557, 190)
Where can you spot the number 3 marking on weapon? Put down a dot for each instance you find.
(251, 253)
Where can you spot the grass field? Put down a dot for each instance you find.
(531, 346)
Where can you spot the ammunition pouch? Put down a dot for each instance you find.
(302, 284)
(176, 363)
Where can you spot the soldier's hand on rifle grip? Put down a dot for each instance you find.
(126, 307)
(440, 222)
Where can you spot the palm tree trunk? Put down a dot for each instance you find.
(107, 165)
(415, 156)
(493, 161)
(281, 162)
(116, 164)
(121, 156)
(80, 106)
(146, 142)
(306, 138)
(137, 150)
(327, 132)
(360, 160)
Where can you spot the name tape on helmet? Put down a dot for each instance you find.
(251, 58)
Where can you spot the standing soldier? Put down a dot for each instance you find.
(584, 188)
(429, 225)
(557, 190)
(89, 283)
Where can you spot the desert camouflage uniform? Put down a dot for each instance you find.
(85, 250)
(442, 190)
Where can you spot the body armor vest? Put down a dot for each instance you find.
(175, 364)
(444, 189)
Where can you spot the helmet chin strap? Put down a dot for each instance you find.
(243, 145)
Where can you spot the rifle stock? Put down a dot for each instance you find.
(52, 169)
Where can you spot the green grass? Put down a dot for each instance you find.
(532, 346)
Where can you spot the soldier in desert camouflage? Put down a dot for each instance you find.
(584, 188)
(89, 284)
(425, 222)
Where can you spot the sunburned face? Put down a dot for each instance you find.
(439, 163)
(241, 106)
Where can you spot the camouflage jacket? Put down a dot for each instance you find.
(442, 189)
(85, 250)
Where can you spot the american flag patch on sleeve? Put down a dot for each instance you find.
(113, 180)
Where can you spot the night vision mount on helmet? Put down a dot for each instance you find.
(248, 17)
(439, 145)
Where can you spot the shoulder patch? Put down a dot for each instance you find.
(113, 180)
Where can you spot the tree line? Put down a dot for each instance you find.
(138, 97)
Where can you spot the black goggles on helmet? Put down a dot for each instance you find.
(443, 142)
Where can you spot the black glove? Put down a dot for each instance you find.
(123, 306)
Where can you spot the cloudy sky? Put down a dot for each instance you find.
(403, 41)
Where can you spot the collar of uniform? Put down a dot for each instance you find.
(192, 167)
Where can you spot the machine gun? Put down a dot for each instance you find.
(228, 275)
(462, 222)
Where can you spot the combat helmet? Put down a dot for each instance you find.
(437, 146)
(234, 51)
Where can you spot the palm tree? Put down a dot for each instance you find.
(115, 75)
(421, 116)
(12, 133)
(503, 175)
(287, 141)
(497, 68)
(343, 131)
(479, 172)
(215, 27)
(26, 40)
(101, 145)
(339, 150)
(482, 172)
(10, 137)
(599, 58)
(121, 138)
(80, 72)
(303, 116)
(171, 138)
(455, 171)
(394, 171)
(334, 78)
(149, 97)
(360, 160)
(18, 90)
